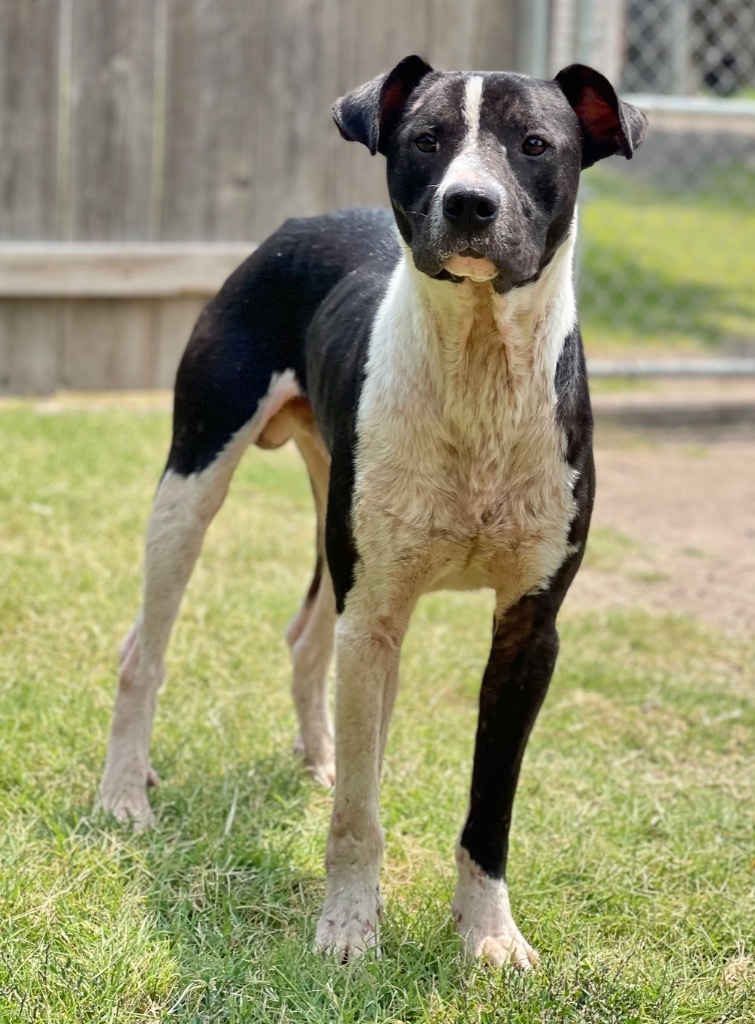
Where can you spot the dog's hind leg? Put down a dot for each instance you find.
(311, 654)
(207, 447)
(310, 635)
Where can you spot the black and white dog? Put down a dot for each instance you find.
(434, 382)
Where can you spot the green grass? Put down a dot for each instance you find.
(664, 271)
(631, 868)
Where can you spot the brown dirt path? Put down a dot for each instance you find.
(674, 526)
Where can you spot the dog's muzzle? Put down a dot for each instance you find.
(469, 212)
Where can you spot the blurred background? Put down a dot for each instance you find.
(145, 145)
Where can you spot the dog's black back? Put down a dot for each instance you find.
(265, 320)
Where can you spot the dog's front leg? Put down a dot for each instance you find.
(367, 655)
(525, 645)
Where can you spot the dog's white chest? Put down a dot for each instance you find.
(461, 478)
(455, 518)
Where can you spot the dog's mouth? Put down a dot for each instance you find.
(472, 264)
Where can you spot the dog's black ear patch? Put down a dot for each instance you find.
(370, 113)
(608, 124)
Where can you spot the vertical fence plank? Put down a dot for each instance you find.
(484, 39)
(28, 117)
(492, 45)
(215, 86)
(372, 39)
(110, 171)
(295, 131)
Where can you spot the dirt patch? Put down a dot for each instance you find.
(674, 526)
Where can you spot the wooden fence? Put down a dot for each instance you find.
(146, 144)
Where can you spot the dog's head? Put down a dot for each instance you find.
(483, 168)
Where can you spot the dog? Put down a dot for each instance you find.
(427, 363)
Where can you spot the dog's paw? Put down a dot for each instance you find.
(483, 918)
(125, 798)
(324, 773)
(322, 766)
(348, 925)
(508, 947)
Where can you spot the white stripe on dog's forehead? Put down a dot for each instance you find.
(472, 104)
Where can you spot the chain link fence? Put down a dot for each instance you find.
(667, 257)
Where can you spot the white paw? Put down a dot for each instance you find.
(324, 773)
(321, 764)
(348, 924)
(483, 918)
(125, 797)
(508, 947)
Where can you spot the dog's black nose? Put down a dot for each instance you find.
(470, 208)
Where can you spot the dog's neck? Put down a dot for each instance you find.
(465, 334)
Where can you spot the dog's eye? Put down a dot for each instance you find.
(533, 145)
(426, 143)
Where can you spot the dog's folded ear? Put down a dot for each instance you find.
(608, 124)
(369, 114)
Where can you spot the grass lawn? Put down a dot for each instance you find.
(632, 867)
(667, 272)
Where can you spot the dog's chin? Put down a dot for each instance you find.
(476, 268)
